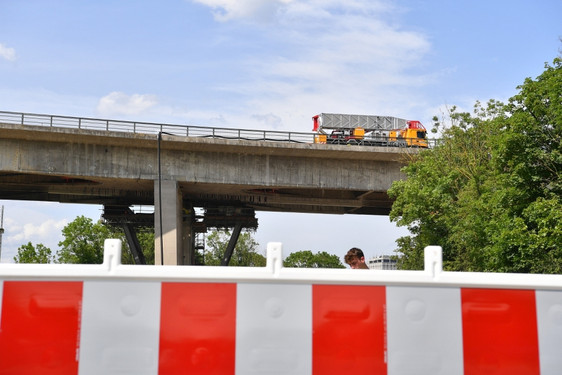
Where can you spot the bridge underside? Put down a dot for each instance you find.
(222, 206)
(37, 187)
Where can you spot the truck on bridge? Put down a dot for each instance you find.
(133, 319)
(368, 130)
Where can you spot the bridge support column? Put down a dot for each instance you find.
(188, 235)
(169, 224)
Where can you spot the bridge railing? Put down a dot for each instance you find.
(152, 128)
(34, 119)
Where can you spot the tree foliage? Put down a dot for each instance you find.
(33, 254)
(306, 259)
(245, 252)
(490, 193)
(146, 241)
(83, 243)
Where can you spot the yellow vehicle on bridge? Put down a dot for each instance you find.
(368, 130)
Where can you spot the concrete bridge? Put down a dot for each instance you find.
(179, 169)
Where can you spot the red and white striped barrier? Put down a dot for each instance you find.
(118, 319)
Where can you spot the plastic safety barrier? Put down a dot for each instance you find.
(119, 319)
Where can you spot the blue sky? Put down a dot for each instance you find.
(262, 64)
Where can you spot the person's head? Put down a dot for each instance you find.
(355, 258)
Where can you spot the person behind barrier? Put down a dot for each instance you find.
(355, 258)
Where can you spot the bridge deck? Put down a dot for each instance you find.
(54, 158)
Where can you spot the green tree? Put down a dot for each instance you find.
(145, 237)
(245, 252)
(529, 159)
(84, 242)
(33, 254)
(306, 259)
(146, 241)
(440, 201)
(489, 194)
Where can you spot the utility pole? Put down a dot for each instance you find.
(1, 229)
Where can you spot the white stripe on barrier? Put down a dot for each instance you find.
(274, 329)
(549, 321)
(424, 331)
(120, 328)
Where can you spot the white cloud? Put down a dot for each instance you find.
(40, 231)
(118, 103)
(36, 232)
(7, 53)
(254, 10)
(38, 222)
(322, 56)
(44, 229)
(268, 10)
(333, 56)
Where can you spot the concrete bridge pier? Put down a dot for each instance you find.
(172, 234)
(188, 234)
(176, 225)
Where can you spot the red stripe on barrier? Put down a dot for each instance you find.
(197, 328)
(39, 332)
(349, 334)
(500, 332)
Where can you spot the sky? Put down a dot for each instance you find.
(262, 64)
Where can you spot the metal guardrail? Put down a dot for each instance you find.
(34, 119)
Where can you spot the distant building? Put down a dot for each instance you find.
(382, 262)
